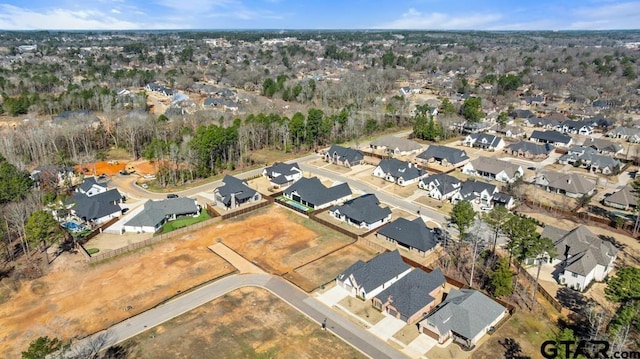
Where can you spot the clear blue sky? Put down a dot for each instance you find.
(320, 14)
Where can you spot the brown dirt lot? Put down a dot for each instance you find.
(246, 323)
(278, 240)
(76, 299)
(141, 167)
(327, 268)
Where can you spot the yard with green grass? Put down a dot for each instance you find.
(183, 222)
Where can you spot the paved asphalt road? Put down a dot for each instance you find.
(349, 332)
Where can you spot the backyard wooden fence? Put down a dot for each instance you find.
(244, 210)
(546, 295)
(373, 245)
(314, 217)
(584, 217)
(99, 229)
(178, 232)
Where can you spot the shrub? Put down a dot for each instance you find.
(93, 251)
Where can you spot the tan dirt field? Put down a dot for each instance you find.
(245, 323)
(279, 240)
(326, 269)
(75, 299)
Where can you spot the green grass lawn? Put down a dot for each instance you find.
(183, 222)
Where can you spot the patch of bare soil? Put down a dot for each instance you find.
(75, 299)
(246, 323)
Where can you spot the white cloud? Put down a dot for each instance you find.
(17, 18)
(610, 16)
(115, 11)
(414, 19)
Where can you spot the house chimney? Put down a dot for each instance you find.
(567, 248)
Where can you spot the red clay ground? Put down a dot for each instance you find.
(141, 167)
(246, 323)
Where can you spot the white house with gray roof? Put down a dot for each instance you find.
(604, 146)
(484, 141)
(465, 316)
(590, 159)
(440, 186)
(631, 134)
(282, 174)
(365, 280)
(396, 146)
(312, 193)
(157, 213)
(234, 193)
(92, 202)
(493, 169)
(581, 256)
(343, 156)
(571, 184)
(362, 212)
(554, 138)
(479, 193)
(625, 198)
(400, 172)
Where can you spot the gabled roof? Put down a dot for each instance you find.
(364, 209)
(531, 147)
(414, 233)
(484, 138)
(541, 122)
(625, 196)
(372, 274)
(465, 312)
(345, 153)
(494, 166)
(569, 182)
(551, 136)
(88, 183)
(443, 182)
(521, 113)
(501, 198)
(236, 187)
(451, 155)
(411, 292)
(624, 131)
(400, 169)
(585, 250)
(472, 189)
(603, 145)
(557, 117)
(394, 142)
(576, 125)
(311, 190)
(284, 169)
(96, 206)
(156, 211)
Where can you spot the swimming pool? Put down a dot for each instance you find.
(294, 204)
(72, 226)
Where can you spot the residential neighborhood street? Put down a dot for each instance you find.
(315, 310)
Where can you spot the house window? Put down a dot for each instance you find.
(574, 275)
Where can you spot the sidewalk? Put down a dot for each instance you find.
(236, 260)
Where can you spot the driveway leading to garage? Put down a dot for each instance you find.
(387, 327)
(333, 296)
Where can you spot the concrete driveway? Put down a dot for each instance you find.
(420, 345)
(387, 327)
(333, 296)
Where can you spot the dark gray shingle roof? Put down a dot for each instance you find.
(379, 270)
(364, 209)
(400, 169)
(235, 186)
(411, 292)
(451, 155)
(410, 233)
(156, 211)
(466, 312)
(313, 191)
